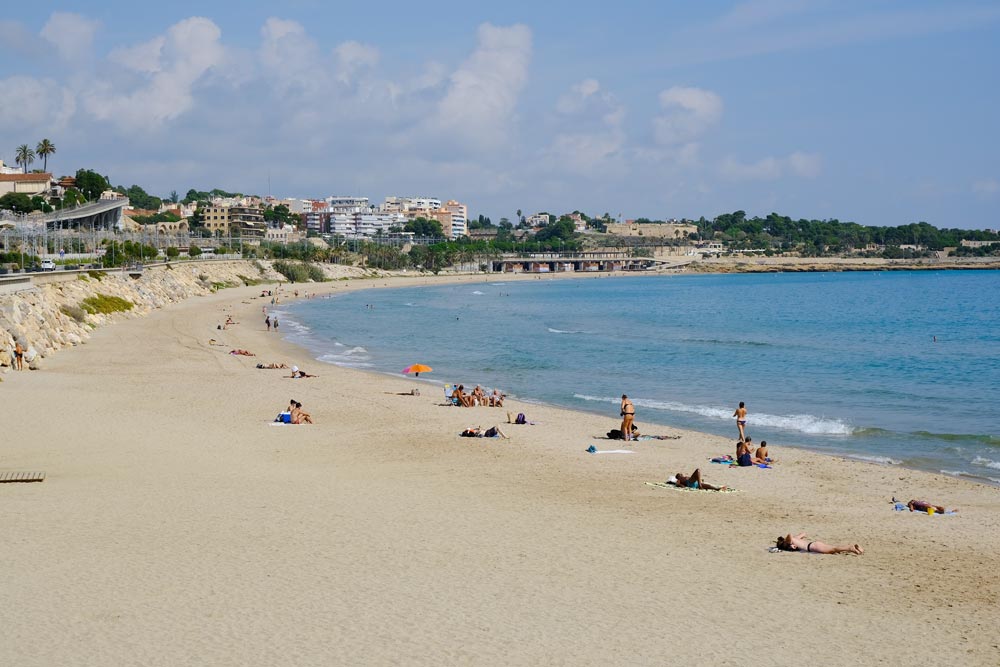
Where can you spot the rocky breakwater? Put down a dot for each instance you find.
(62, 314)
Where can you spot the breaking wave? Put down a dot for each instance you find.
(810, 424)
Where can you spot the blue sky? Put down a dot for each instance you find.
(880, 112)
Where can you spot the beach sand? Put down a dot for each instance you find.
(177, 526)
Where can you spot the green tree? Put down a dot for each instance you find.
(24, 156)
(73, 197)
(423, 227)
(44, 149)
(17, 202)
(173, 252)
(194, 251)
(91, 184)
(139, 198)
(174, 197)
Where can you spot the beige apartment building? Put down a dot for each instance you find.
(247, 221)
(216, 219)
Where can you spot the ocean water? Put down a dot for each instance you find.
(898, 368)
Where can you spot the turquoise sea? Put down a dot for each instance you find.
(899, 368)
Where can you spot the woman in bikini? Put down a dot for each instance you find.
(741, 419)
(802, 543)
(628, 416)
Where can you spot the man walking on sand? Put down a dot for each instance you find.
(628, 416)
(741, 419)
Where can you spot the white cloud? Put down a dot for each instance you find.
(35, 104)
(594, 145)
(986, 186)
(291, 59)
(804, 165)
(352, 57)
(687, 114)
(483, 92)
(145, 57)
(576, 99)
(171, 66)
(71, 34)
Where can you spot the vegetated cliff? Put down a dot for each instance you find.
(61, 314)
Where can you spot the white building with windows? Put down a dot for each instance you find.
(337, 204)
(537, 220)
(459, 218)
(364, 225)
(403, 204)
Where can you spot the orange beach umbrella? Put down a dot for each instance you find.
(417, 368)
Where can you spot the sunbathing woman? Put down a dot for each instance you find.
(694, 481)
(272, 366)
(923, 506)
(801, 543)
(242, 353)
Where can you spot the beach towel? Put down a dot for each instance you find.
(664, 485)
(595, 450)
(658, 437)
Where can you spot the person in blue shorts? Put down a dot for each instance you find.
(694, 481)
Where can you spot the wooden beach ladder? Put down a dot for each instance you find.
(17, 476)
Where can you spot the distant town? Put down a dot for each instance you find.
(71, 218)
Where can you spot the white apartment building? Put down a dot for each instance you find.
(337, 204)
(537, 220)
(403, 204)
(296, 206)
(361, 225)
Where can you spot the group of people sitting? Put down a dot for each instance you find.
(745, 456)
(477, 397)
(294, 414)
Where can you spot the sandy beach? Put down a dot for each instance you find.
(177, 526)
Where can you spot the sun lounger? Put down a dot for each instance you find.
(16, 476)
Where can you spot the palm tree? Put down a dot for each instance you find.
(44, 149)
(24, 156)
(518, 216)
